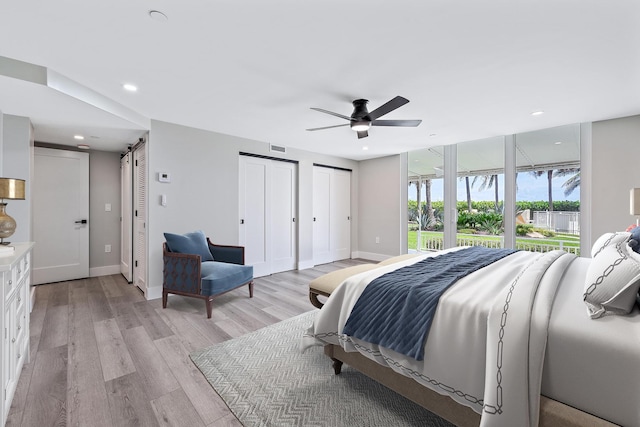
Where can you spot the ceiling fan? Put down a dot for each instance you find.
(361, 119)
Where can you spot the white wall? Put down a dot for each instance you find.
(104, 227)
(382, 192)
(203, 193)
(17, 161)
(614, 163)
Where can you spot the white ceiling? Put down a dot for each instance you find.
(471, 69)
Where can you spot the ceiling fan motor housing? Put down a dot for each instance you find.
(360, 117)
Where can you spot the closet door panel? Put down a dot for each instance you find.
(322, 215)
(254, 214)
(283, 211)
(341, 215)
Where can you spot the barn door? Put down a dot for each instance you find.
(126, 233)
(140, 217)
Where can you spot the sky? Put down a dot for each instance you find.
(530, 189)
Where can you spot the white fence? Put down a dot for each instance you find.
(561, 222)
(434, 243)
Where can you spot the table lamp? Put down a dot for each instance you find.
(12, 189)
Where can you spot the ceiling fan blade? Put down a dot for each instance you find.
(396, 102)
(406, 123)
(329, 127)
(363, 134)
(342, 116)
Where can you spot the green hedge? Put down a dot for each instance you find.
(488, 206)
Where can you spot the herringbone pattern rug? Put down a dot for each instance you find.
(267, 381)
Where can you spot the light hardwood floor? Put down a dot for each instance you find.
(101, 355)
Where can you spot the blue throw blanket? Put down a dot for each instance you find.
(396, 309)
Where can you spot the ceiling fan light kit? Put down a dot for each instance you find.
(361, 119)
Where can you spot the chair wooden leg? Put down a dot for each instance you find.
(313, 297)
(209, 302)
(164, 298)
(251, 289)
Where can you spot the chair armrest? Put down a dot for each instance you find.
(181, 272)
(227, 253)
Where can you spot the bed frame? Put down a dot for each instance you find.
(552, 413)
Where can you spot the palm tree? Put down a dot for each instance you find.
(549, 184)
(571, 184)
(489, 181)
(469, 204)
(431, 218)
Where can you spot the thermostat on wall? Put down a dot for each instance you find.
(164, 177)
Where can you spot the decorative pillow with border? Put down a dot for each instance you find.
(612, 281)
(608, 239)
(189, 243)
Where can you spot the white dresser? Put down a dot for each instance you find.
(15, 276)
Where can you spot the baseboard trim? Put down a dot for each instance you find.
(154, 293)
(104, 271)
(370, 256)
(303, 265)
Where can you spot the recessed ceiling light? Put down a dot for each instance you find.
(537, 113)
(130, 87)
(558, 142)
(365, 148)
(156, 15)
(78, 137)
(83, 146)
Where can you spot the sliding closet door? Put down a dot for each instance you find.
(255, 188)
(322, 215)
(341, 214)
(331, 214)
(284, 190)
(268, 202)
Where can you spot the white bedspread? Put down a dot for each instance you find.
(505, 305)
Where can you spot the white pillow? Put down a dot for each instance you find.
(612, 281)
(608, 239)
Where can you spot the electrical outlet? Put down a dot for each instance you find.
(377, 239)
(107, 207)
(107, 248)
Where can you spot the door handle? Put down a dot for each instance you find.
(82, 221)
(242, 221)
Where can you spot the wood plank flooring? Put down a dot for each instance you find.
(101, 355)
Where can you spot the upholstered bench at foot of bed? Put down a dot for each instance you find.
(326, 284)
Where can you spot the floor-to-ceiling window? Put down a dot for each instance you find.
(425, 199)
(480, 193)
(547, 192)
(546, 201)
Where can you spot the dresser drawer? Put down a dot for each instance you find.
(22, 268)
(20, 327)
(10, 281)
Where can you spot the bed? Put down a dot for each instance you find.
(550, 364)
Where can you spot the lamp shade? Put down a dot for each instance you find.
(634, 201)
(11, 188)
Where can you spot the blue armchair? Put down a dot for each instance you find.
(186, 274)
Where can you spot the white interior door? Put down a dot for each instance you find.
(322, 215)
(268, 206)
(126, 233)
(340, 215)
(254, 215)
(283, 206)
(60, 215)
(140, 218)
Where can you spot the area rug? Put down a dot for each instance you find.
(266, 380)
